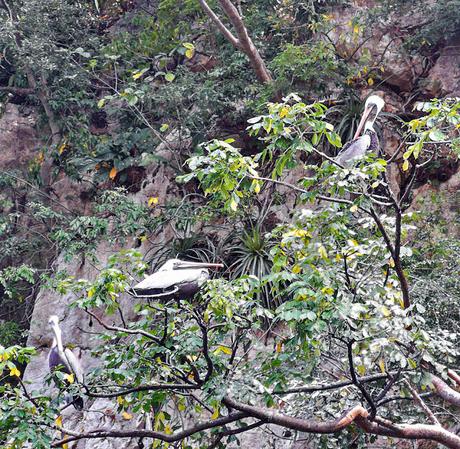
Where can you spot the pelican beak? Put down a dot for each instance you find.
(363, 121)
(187, 264)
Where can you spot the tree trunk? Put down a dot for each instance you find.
(243, 42)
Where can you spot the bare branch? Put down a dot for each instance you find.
(222, 28)
(156, 387)
(124, 330)
(243, 42)
(422, 404)
(169, 438)
(17, 90)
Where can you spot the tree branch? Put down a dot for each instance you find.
(243, 42)
(222, 28)
(124, 330)
(141, 388)
(333, 386)
(169, 438)
(17, 90)
(422, 404)
(445, 392)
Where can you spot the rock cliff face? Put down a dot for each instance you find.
(19, 144)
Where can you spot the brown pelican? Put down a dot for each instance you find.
(369, 141)
(64, 357)
(179, 279)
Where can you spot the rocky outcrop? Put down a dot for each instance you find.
(444, 77)
(19, 142)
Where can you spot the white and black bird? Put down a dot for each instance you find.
(179, 279)
(65, 358)
(368, 142)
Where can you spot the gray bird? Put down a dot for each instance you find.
(60, 356)
(369, 141)
(179, 279)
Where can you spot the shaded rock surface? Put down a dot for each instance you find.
(19, 141)
(444, 77)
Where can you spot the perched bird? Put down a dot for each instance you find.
(60, 356)
(179, 279)
(369, 141)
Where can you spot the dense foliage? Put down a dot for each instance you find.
(336, 315)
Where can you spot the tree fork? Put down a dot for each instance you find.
(243, 42)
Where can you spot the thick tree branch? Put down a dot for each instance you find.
(445, 392)
(454, 376)
(302, 425)
(357, 414)
(222, 28)
(243, 42)
(17, 90)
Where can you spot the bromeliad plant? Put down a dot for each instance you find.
(349, 334)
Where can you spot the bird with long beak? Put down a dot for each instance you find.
(368, 142)
(180, 279)
(65, 358)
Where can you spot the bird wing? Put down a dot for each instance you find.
(352, 150)
(166, 279)
(74, 365)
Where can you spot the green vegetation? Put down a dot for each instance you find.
(163, 132)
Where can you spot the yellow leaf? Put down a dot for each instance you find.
(40, 157)
(370, 81)
(391, 262)
(327, 290)
(137, 75)
(127, 416)
(356, 29)
(225, 349)
(353, 208)
(58, 421)
(168, 430)
(90, 292)
(215, 415)
(233, 205)
(181, 406)
(62, 148)
(113, 173)
(284, 111)
(405, 165)
(70, 378)
(279, 346)
(15, 372)
(385, 311)
(361, 370)
(382, 365)
(322, 252)
(153, 200)
(375, 184)
(189, 53)
(296, 269)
